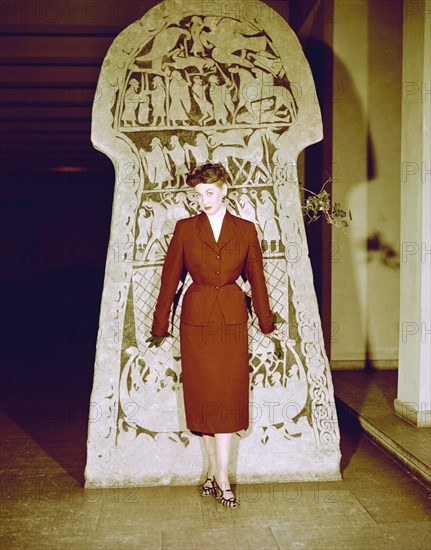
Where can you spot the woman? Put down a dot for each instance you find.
(216, 248)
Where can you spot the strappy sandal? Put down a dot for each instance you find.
(208, 488)
(231, 502)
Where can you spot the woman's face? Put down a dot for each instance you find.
(210, 197)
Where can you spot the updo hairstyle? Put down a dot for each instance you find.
(208, 173)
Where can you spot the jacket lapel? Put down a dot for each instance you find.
(227, 232)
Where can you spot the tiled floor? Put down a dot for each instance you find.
(376, 505)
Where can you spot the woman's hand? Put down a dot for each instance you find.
(156, 341)
(277, 336)
(278, 333)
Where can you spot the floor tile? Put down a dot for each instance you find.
(289, 505)
(219, 538)
(414, 536)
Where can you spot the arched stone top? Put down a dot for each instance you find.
(182, 53)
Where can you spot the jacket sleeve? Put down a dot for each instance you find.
(171, 274)
(256, 277)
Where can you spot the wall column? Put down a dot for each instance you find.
(413, 401)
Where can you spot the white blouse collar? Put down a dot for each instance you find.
(218, 215)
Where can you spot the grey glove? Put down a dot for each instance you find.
(156, 341)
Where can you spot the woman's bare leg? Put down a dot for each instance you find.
(222, 446)
(210, 446)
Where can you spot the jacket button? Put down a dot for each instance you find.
(217, 272)
(218, 257)
(216, 288)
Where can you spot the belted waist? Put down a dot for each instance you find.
(211, 285)
(216, 286)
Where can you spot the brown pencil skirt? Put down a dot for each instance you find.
(215, 375)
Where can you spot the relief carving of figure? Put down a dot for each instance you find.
(178, 157)
(247, 208)
(218, 100)
(144, 103)
(180, 105)
(159, 101)
(227, 36)
(198, 153)
(131, 102)
(196, 27)
(155, 163)
(199, 91)
(165, 41)
(144, 227)
(265, 209)
(176, 207)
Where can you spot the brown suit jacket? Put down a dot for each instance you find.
(214, 268)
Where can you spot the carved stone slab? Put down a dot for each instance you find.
(187, 84)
